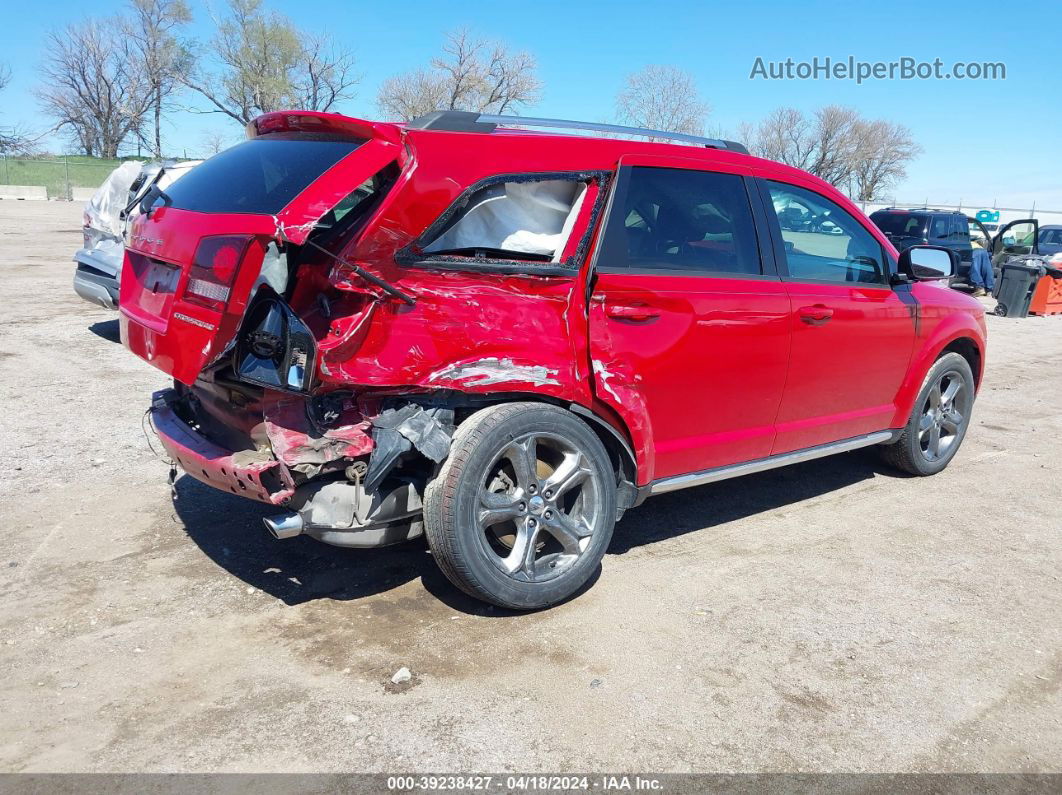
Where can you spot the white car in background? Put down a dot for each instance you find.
(99, 261)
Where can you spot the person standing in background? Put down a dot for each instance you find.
(981, 277)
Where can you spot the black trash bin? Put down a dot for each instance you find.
(1017, 281)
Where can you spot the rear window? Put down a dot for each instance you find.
(260, 176)
(900, 224)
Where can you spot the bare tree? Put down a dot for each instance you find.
(835, 141)
(472, 74)
(413, 94)
(786, 136)
(324, 76)
(213, 141)
(13, 140)
(152, 28)
(263, 62)
(836, 144)
(662, 98)
(883, 151)
(92, 86)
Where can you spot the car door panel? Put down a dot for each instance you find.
(707, 368)
(844, 373)
(852, 334)
(694, 360)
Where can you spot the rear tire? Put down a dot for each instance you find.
(939, 419)
(521, 512)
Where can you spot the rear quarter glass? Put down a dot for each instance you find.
(260, 176)
(900, 224)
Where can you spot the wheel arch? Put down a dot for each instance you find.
(616, 444)
(957, 339)
(968, 349)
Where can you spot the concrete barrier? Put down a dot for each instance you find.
(35, 192)
(82, 194)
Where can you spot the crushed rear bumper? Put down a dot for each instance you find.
(331, 510)
(247, 473)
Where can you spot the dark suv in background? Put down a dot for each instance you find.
(952, 229)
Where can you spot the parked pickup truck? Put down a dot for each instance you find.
(504, 338)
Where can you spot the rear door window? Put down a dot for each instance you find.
(960, 229)
(260, 176)
(672, 219)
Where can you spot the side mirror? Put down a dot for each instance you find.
(925, 263)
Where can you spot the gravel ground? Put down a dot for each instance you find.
(832, 616)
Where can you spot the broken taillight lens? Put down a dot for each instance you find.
(214, 268)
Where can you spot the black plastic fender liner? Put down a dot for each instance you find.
(398, 430)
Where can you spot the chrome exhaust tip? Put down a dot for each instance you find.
(286, 525)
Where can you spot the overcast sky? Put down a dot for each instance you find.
(985, 141)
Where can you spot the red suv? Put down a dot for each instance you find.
(503, 339)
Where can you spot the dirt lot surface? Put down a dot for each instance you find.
(828, 616)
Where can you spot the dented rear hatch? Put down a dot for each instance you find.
(192, 263)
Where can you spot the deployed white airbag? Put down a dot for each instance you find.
(527, 217)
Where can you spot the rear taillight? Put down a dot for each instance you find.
(216, 261)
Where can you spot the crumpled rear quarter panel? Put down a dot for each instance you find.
(471, 330)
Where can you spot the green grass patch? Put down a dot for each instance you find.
(58, 175)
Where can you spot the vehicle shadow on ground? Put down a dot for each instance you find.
(107, 329)
(676, 513)
(229, 530)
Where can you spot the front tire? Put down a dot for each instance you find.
(521, 512)
(939, 419)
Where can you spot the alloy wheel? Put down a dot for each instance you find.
(538, 507)
(942, 420)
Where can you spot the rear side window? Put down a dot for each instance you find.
(899, 224)
(960, 229)
(681, 220)
(519, 220)
(260, 176)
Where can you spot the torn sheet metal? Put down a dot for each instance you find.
(295, 222)
(305, 447)
(495, 371)
(397, 431)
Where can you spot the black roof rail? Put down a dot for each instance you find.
(467, 121)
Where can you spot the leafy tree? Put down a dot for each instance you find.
(262, 62)
(152, 27)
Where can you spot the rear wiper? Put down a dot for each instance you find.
(372, 278)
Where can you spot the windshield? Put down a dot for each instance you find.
(900, 224)
(259, 176)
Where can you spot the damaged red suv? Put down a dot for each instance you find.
(503, 339)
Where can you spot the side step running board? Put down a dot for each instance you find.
(772, 462)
